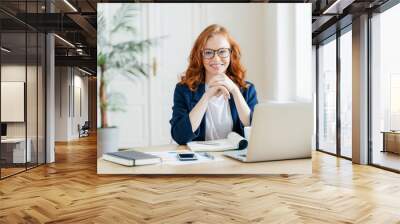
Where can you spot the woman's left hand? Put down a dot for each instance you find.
(223, 80)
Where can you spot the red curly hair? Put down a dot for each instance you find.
(195, 73)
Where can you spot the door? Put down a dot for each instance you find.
(169, 60)
(149, 100)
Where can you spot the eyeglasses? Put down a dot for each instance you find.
(222, 52)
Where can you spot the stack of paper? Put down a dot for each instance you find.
(233, 141)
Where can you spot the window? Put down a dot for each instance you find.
(346, 94)
(385, 89)
(327, 97)
(394, 101)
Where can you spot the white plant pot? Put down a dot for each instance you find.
(107, 140)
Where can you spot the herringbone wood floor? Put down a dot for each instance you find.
(70, 191)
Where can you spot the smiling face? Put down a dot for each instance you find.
(220, 62)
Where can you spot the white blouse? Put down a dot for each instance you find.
(218, 118)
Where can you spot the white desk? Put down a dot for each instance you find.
(19, 149)
(225, 166)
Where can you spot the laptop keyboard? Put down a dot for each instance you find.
(237, 153)
(241, 153)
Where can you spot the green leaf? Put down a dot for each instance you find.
(121, 58)
(116, 102)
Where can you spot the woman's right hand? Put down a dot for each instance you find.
(198, 111)
(218, 91)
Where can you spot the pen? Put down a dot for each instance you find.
(208, 155)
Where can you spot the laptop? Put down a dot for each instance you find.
(280, 131)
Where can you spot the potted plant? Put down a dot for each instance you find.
(116, 58)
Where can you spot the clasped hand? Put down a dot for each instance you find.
(221, 85)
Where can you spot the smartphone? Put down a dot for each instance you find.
(186, 156)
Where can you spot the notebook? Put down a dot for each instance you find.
(233, 141)
(131, 158)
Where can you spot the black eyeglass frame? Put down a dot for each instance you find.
(216, 51)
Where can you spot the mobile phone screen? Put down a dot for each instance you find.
(186, 155)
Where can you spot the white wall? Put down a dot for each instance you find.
(14, 72)
(275, 40)
(61, 103)
(248, 30)
(69, 84)
(80, 103)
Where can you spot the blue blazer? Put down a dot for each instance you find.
(185, 100)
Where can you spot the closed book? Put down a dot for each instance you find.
(131, 158)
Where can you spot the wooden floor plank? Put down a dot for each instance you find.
(70, 191)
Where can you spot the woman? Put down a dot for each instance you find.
(212, 99)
